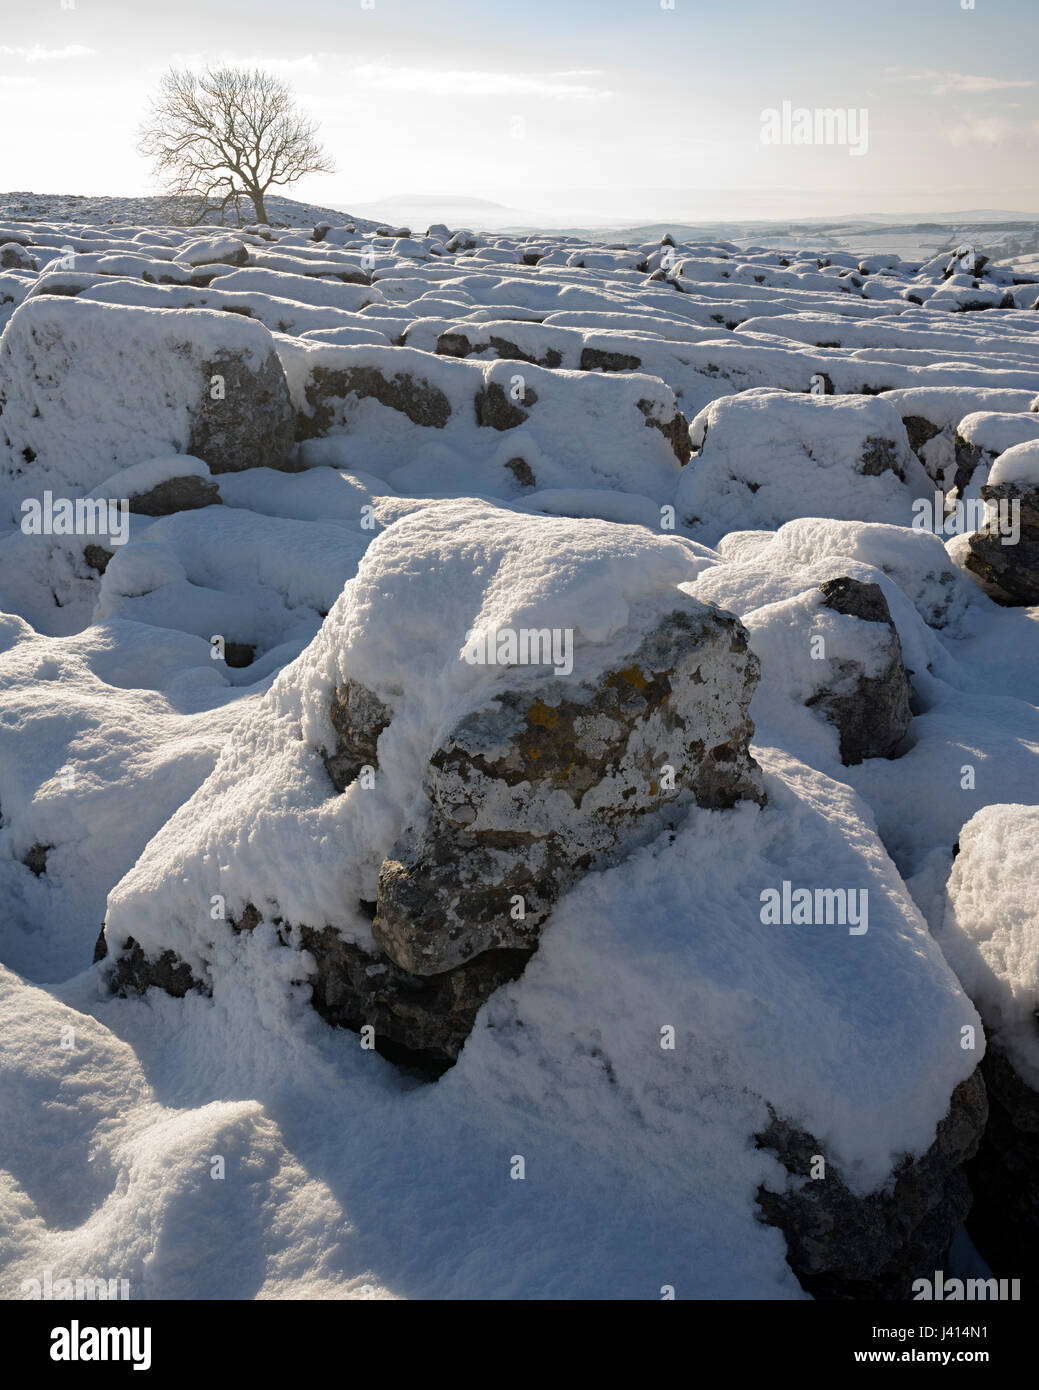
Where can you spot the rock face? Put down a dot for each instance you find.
(176, 495)
(769, 456)
(420, 1021)
(97, 557)
(842, 1246)
(919, 431)
(358, 718)
(132, 972)
(13, 256)
(223, 250)
(579, 425)
(455, 343)
(524, 796)
(674, 428)
(989, 936)
(259, 426)
(421, 401)
(521, 797)
(1009, 573)
(1003, 1175)
(497, 411)
(969, 457)
(871, 712)
(89, 389)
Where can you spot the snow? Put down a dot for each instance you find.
(769, 456)
(154, 775)
(269, 794)
(996, 432)
(1018, 464)
(92, 388)
(142, 477)
(990, 931)
(581, 428)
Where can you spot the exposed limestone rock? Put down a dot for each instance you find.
(176, 495)
(497, 411)
(422, 402)
(919, 431)
(454, 343)
(525, 795)
(67, 283)
(1009, 573)
(358, 718)
(252, 426)
(522, 472)
(190, 382)
(521, 797)
(599, 360)
(13, 256)
(1003, 1176)
(879, 456)
(871, 712)
(97, 557)
(35, 858)
(843, 1246)
(674, 428)
(969, 458)
(420, 1022)
(133, 972)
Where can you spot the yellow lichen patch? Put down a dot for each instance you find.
(543, 714)
(652, 788)
(632, 676)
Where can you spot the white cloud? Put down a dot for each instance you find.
(971, 83)
(39, 54)
(306, 63)
(286, 67)
(991, 130)
(558, 86)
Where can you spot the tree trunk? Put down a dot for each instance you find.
(261, 211)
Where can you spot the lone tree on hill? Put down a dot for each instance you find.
(228, 133)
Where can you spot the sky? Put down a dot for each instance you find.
(619, 111)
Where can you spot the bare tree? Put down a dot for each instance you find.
(226, 134)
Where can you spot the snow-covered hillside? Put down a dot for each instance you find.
(550, 733)
(94, 211)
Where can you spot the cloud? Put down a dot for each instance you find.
(462, 82)
(286, 67)
(971, 83)
(39, 54)
(991, 130)
(306, 63)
